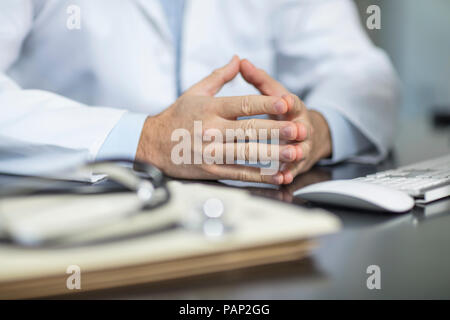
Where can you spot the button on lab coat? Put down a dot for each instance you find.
(68, 88)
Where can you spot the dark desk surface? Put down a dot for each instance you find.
(412, 250)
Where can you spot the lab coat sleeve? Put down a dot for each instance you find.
(41, 118)
(325, 56)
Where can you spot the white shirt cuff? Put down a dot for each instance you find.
(122, 141)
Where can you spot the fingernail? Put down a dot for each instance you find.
(288, 132)
(287, 153)
(280, 107)
(277, 179)
(288, 177)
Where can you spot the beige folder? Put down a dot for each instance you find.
(255, 231)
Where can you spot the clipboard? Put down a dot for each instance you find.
(260, 231)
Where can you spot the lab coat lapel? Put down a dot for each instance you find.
(154, 12)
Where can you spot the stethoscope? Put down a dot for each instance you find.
(148, 188)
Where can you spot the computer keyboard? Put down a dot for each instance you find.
(425, 181)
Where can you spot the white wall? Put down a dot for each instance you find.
(416, 34)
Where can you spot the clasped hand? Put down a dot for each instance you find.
(304, 136)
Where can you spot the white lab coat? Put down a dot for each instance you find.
(69, 88)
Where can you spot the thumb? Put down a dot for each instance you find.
(212, 84)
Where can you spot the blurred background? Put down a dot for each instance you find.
(416, 35)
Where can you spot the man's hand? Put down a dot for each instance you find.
(314, 139)
(198, 104)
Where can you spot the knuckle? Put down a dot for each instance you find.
(247, 150)
(208, 168)
(241, 151)
(249, 124)
(251, 151)
(243, 175)
(246, 106)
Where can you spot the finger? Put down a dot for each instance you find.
(248, 151)
(295, 105)
(291, 170)
(302, 150)
(294, 171)
(303, 130)
(260, 152)
(260, 129)
(245, 173)
(212, 84)
(233, 107)
(261, 80)
(269, 86)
